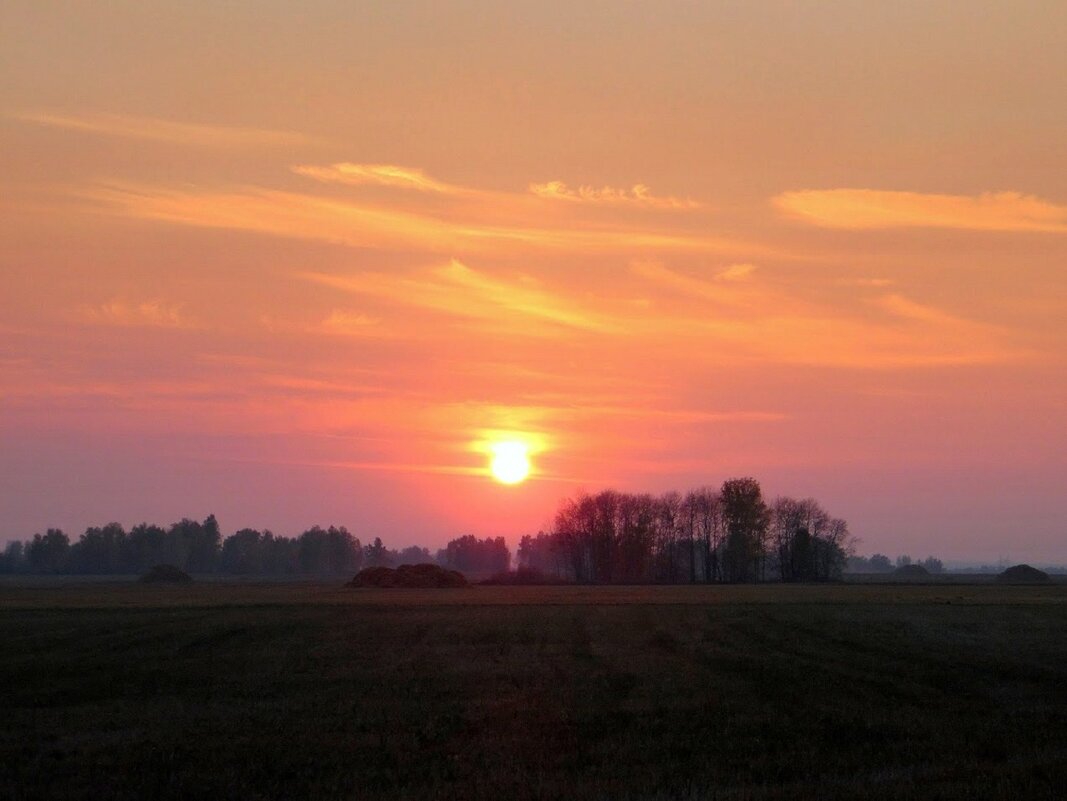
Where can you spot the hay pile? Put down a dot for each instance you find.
(911, 572)
(424, 576)
(166, 574)
(1024, 574)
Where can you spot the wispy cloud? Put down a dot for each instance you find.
(867, 282)
(736, 272)
(517, 306)
(637, 195)
(376, 175)
(721, 318)
(380, 226)
(146, 313)
(760, 321)
(164, 131)
(869, 208)
(724, 289)
(350, 324)
(400, 177)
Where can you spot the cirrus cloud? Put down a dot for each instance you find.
(163, 131)
(151, 313)
(346, 172)
(871, 208)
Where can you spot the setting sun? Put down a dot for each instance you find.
(510, 463)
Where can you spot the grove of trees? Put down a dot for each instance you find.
(470, 555)
(728, 534)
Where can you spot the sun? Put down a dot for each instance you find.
(510, 462)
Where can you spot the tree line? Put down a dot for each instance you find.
(199, 547)
(708, 535)
(880, 563)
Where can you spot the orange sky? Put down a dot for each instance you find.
(301, 263)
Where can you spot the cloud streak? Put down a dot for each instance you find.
(518, 306)
(721, 319)
(380, 226)
(413, 178)
(153, 314)
(859, 209)
(759, 321)
(377, 175)
(162, 131)
(637, 195)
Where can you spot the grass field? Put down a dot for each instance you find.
(298, 690)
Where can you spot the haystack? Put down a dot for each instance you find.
(911, 572)
(1024, 574)
(166, 574)
(424, 576)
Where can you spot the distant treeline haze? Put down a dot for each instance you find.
(198, 547)
(726, 534)
(880, 563)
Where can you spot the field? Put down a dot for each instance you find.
(300, 690)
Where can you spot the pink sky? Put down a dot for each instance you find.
(305, 264)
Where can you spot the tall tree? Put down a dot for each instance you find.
(746, 518)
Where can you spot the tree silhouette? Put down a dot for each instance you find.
(47, 553)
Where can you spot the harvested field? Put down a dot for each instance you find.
(302, 690)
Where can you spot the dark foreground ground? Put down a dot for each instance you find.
(310, 691)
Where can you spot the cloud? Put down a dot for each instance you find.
(725, 290)
(869, 208)
(736, 272)
(515, 306)
(720, 320)
(681, 416)
(349, 324)
(381, 226)
(376, 175)
(759, 321)
(413, 178)
(867, 282)
(165, 131)
(637, 195)
(147, 313)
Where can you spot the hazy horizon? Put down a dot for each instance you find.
(312, 265)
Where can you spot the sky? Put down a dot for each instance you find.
(298, 264)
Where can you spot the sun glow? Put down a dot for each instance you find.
(510, 462)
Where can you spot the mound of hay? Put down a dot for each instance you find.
(1024, 574)
(409, 577)
(911, 571)
(166, 574)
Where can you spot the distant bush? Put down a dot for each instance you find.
(409, 577)
(523, 576)
(166, 574)
(1024, 574)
